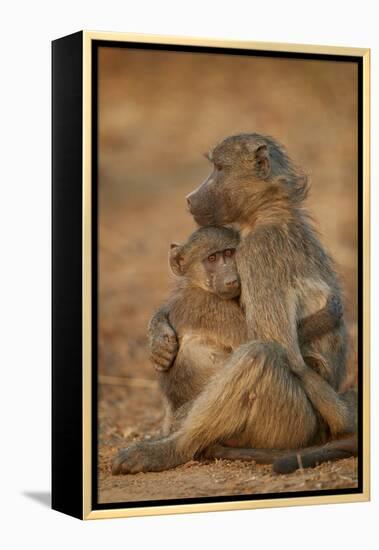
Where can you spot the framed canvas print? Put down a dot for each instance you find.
(210, 275)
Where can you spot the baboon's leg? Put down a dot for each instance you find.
(254, 398)
(335, 411)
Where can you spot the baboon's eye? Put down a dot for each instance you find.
(212, 258)
(218, 167)
(229, 252)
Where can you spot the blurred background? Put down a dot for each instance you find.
(158, 113)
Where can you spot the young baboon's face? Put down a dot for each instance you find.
(207, 261)
(218, 274)
(241, 168)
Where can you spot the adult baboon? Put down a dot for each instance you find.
(285, 276)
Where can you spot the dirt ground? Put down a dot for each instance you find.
(194, 479)
(148, 163)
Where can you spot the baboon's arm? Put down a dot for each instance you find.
(270, 307)
(320, 323)
(163, 341)
(267, 297)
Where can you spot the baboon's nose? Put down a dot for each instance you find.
(232, 283)
(188, 199)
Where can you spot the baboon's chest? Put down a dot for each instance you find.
(222, 322)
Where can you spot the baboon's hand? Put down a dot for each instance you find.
(163, 343)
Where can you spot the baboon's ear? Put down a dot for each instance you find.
(262, 161)
(176, 259)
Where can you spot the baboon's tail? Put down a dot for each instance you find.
(311, 457)
(285, 461)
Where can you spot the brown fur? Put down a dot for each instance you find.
(265, 396)
(208, 324)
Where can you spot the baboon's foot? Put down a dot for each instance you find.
(147, 456)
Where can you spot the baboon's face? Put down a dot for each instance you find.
(240, 168)
(216, 273)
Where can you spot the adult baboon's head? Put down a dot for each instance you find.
(250, 172)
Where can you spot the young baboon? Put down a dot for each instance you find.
(285, 276)
(205, 312)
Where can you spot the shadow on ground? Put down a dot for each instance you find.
(42, 497)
